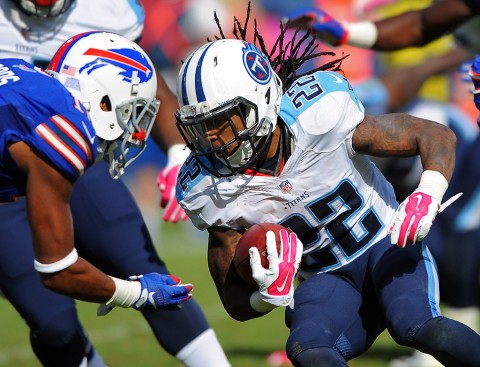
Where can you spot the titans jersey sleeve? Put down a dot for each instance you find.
(39, 111)
(319, 104)
(337, 201)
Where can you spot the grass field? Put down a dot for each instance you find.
(125, 340)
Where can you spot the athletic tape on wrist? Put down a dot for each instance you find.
(361, 34)
(126, 293)
(435, 182)
(59, 265)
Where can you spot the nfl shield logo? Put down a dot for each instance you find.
(285, 186)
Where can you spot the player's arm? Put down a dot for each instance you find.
(402, 135)
(403, 84)
(47, 195)
(417, 28)
(413, 28)
(275, 281)
(168, 138)
(56, 260)
(164, 132)
(234, 294)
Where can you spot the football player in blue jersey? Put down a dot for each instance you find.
(412, 28)
(96, 100)
(109, 229)
(294, 147)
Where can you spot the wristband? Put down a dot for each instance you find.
(258, 304)
(434, 182)
(361, 34)
(126, 293)
(177, 154)
(59, 265)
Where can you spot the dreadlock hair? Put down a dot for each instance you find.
(286, 57)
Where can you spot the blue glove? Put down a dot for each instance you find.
(322, 24)
(475, 75)
(464, 71)
(160, 290)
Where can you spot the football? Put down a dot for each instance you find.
(255, 236)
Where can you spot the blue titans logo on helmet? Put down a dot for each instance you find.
(127, 60)
(257, 65)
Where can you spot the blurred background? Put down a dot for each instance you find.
(173, 29)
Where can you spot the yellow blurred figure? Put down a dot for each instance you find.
(437, 87)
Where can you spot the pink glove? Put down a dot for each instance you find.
(415, 215)
(276, 282)
(166, 181)
(414, 218)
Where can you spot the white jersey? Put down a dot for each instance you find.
(36, 40)
(336, 200)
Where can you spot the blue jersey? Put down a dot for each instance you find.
(39, 110)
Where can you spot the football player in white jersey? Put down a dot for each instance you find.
(456, 247)
(109, 228)
(34, 32)
(270, 146)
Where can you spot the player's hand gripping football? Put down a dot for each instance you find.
(322, 24)
(166, 181)
(276, 282)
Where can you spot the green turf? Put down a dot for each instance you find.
(124, 339)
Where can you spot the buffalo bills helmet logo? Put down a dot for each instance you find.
(256, 64)
(127, 60)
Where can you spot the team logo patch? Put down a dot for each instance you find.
(285, 186)
(256, 64)
(127, 60)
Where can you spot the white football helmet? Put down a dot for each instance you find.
(113, 78)
(43, 8)
(221, 79)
